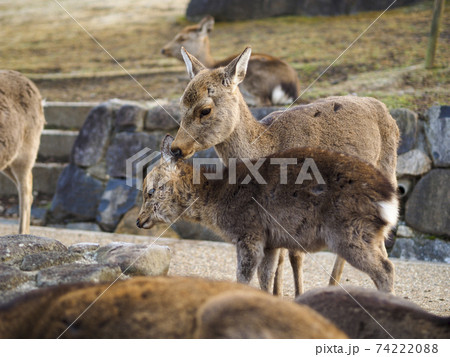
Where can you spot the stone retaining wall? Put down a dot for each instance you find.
(93, 187)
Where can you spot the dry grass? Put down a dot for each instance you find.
(39, 38)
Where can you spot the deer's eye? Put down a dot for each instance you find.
(205, 112)
(150, 193)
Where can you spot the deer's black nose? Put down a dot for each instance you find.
(163, 51)
(177, 153)
(138, 223)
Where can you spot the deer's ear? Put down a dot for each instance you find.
(206, 25)
(193, 65)
(236, 70)
(166, 153)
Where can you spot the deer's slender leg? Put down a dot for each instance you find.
(24, 178)
(296, 258)
(338, 268)
(266, 270)
(278, 281)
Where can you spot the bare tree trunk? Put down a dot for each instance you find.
(434, 34)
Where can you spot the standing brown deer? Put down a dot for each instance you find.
(349, 207)
(214, 114)
(21, 123)
(269, 80)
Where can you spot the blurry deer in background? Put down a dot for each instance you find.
(214, 114)
(269, 80)
(21, 123)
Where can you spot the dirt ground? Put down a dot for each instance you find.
(40, 39)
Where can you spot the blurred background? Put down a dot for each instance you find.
(41, 40)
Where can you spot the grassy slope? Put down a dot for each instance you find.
(386, 62)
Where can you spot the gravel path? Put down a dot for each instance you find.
(426, 284)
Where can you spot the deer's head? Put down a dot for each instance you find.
(210, 105)
(165, 190)
(194, 38)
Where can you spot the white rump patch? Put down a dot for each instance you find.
(280, 97)
(389, 211)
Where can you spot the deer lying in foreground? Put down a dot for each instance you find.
(215, 114)
(160, 307)
(349, 209)
(269, 81)
(21, 123)
(375, 314)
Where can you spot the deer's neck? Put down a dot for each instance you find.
(205, 54)
(203, 205)
(249, 138)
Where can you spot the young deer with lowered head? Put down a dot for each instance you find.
(215, 114)
(269, 80)
(348, 207)
(21, 123)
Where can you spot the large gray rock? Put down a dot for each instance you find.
(407, 122)
(83, 248)
(77, 195)
(117, 199)
(166, 118)
(227, 10)
(438, 135)
(130, 117)
(93, 138)
(74, 273)
(428, 208)
(11, 277)
(136, 259)
(413, 163)
(403, 231)
(342, 7)
(431, 250)
(126, 146)
(43, 260)
(14, 248)
(230, 10)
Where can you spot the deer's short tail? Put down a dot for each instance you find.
(389, 213)
(284, 93)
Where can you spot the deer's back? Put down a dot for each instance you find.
(351, 189)
(160, 307)
(357, 126)
(21, 114)
(401, 318)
